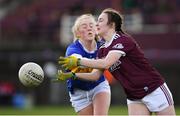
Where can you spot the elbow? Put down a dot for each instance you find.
(95, 78)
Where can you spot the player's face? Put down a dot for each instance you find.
(102, 26)
(87, 29)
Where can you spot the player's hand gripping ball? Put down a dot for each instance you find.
(31, 74)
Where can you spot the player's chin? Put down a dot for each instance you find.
(91, 37)
(100, 34)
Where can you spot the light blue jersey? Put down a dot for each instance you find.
(77, 48)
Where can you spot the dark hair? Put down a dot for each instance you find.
(114, 17)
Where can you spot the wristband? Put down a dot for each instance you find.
(74, 77)
(78, 62)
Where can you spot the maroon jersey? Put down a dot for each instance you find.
(132, 70)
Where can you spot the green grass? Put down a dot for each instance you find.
(60, 110)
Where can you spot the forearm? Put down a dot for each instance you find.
(99, 63)
(104, 63)
(93, 76)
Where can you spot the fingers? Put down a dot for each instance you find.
(64, 59)
(59, 72)
(62, 76)
(71, 57)
(61, 58)
(66, 68)
(65, 62)
(56, 79)
(62, 62)
(59, 76)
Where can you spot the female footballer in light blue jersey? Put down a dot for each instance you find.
(87, 97)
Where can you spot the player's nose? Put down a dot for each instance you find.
(97, 24)
(89, 28)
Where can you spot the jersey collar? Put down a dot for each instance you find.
(87, 49)
(108, 43)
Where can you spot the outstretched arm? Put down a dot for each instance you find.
(72, 61)
(93, 76)
(105, 63)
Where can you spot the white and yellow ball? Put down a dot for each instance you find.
(31, 74)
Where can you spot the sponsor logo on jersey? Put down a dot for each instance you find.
(115, 66)
(118, 46)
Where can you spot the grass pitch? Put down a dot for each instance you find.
(59, 110)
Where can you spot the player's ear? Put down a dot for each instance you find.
(112, 25)
(78, 34)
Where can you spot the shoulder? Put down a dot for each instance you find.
(73, 48)
(123, 38)
(75, 45)
(122, 42)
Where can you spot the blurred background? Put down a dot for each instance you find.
(40, 30)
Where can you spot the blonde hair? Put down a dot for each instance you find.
(76, 25)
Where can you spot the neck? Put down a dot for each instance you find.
(108, 36)
(89, 45)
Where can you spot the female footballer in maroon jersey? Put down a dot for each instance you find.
(144, 86)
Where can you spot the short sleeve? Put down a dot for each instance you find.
(123, 44)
